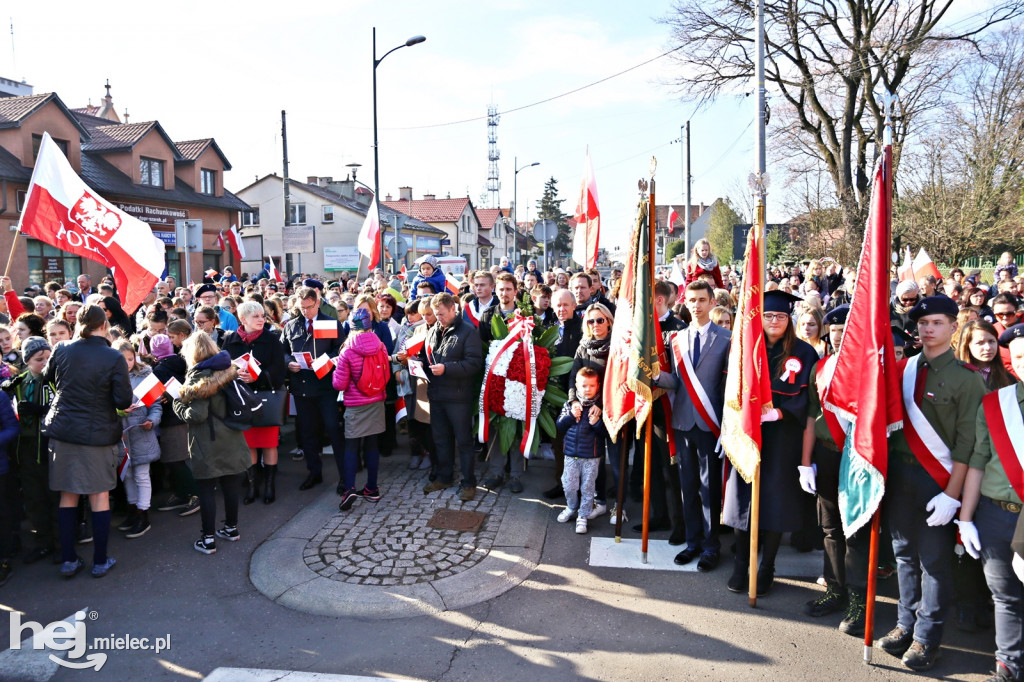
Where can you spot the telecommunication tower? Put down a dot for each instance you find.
(493, 185)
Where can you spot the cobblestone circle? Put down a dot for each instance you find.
(389, 543)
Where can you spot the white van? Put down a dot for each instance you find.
(455, 265)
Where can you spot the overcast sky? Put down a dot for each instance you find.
(227, 69)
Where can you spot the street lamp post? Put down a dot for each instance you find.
(415, 40)
(515, 209)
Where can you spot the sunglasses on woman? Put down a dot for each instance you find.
(597, 320)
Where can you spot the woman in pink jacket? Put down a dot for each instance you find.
(362, 375)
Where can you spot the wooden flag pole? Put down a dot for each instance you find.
(651, 217)
(755, 517)
(869, 610)
(10, 258)
(620, 497)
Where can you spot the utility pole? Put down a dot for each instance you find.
(287, 189)
(686, 187)
(759, 75)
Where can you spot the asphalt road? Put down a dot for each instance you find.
(566, 621)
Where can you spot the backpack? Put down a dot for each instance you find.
(241, 406)
(376, 372)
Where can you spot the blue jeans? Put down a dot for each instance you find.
(924, 554)
(995, 529)
(700, 478)
(315, 415)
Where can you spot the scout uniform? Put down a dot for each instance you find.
(940, 400)
(998, 452)
(846, 559)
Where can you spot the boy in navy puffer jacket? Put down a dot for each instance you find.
(584, 430)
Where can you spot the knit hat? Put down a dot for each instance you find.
(907, 286)
(360, 319)
(33, 345)
(160, 346)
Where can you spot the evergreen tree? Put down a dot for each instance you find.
(549, 207)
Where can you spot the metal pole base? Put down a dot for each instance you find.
(643, 558)
(867, 655)
(618, 538)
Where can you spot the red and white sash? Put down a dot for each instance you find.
(837, 426)
(474, 310)
(922, 438)
(699, 398)
(1005, 425)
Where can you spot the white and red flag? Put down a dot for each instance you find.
(402, 273)
(368, 242)
(304, 360)
(325, 329)
(63, 212)
(924, 266)
(906, 271)
(588, 220)
(673, 216)
(322, 366)
(401, 411)
(150, 390)
(274, 272)
(220, 241)
(250, 364)
(235, 240)
(173, 388)
(451, 284)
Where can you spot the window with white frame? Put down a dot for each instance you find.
(209, 181)
(251, 218)
(151, 172)
(296, 214)
(328, 214)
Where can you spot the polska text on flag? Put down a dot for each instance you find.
(63, 212)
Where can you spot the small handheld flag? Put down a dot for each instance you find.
(149, 391)
(322, 366)
(325, 329)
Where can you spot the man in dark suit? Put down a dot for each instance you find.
(316, 401)
(706, 349)
(582, 288)
(506, 306)
(570, 333)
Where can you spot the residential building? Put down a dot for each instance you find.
(457, 217)
(700, 217)
(325, 217)
(495, 227)
(138, 167)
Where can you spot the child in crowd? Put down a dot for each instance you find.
(32, 396)
(8, 353)
(57, 331)
(584, 431)
(140, 437)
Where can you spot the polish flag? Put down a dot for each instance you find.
(220, 241)
(415, 344)
(325, 329)
(368, 242)
(322, 366)
(304, 360)
(211, 273)
(673, 216)
(588, 220)
(906, 271)
(173, 388)
(402, 273)
(274, 273)
(122, 468)
(451, 284)
(923, 266)
(63, 212)
(401, 412)
(235, 240)
(248, 363)
(149, 391)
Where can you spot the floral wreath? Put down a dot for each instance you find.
(517, 387)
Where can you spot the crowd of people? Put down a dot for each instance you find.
(73, 361)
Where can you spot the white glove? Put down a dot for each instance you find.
(969, 536)
(808, 479)
(943, 509)
(773, 415)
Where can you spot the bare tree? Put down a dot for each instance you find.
(826, 60)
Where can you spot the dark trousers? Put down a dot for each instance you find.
(40, 502)
(666, 496)
(231, 488)
(389, 439)
(995, 530)
(421, 440)
(7, 524)
(923, 553)
(313, 416)
(452, 426)
(846, 559)
(700, 478)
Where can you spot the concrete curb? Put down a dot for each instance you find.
(277, 569)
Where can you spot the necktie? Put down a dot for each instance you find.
(922, 375)
(561, 330)
(696, 348)
(309, 327)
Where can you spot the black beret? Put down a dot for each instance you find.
(934, 305)
(313, 284)
(205, 289)
(837, 315)
(1014, 332)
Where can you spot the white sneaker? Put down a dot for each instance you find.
(612, 512)
(598, 510)
(566, 515)
(581, 526)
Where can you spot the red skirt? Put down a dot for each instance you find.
(263, 436)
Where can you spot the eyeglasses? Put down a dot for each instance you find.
(597, 320)
(908, 301)
(1001, 315)
(776, 317)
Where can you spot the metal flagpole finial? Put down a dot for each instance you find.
(654, 166)
(641, 186)
(887, 100)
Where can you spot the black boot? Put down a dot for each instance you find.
(250, 491)
(270, 478)
(129, 519)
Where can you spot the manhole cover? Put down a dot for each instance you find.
(455, 519)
